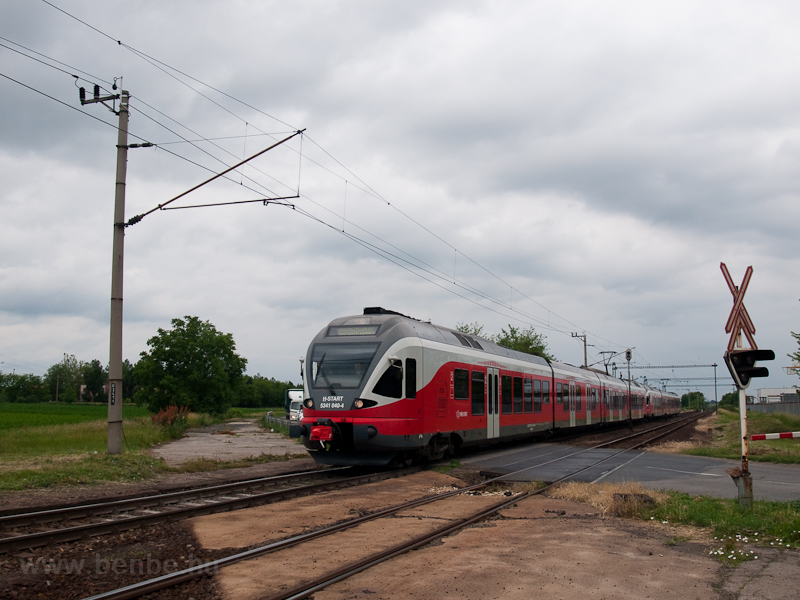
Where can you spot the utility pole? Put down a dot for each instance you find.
(115, 351)
(628, 356)
(582, 337)
(716, 402)
(118, 250)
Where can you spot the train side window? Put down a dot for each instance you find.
(546, 392)
(478, 393)
(517, 395)
(390, 384)
(578, 398)
(411, 378)
(537, 395)
(528, 389)
(559, 394)
(505, 385)
(461, 384)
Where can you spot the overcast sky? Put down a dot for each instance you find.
(579, 167)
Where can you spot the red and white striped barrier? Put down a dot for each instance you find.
(775, 436)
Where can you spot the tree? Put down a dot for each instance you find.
(731, 400)
(795, 356)
(523, 340)
(693, 401)
(22, 388)
(475, 329)
(191, 365)
(128, 380)
(258, 391)
(94, 378)
(65, 377)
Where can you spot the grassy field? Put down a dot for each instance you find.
(14, 415)
(42, 445)
(727, 444)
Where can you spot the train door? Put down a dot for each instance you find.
(493, 404)
(589, 404)
(572, 404)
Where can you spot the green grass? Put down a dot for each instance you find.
(13, 415)
(44, 445)
(82, 469)
(254, 413)
(726, 442)
(76, 438)
(454, 464)
(769, 524)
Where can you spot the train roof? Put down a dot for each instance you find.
(392, 320)
(389, 319)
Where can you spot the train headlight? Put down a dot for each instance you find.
(359, 403)
(308, 403)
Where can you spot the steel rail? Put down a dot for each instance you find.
(69, 534)
(673, 430)
(681, 423)
(308, 589)
(99, 508)
(152, 585)
(676, 426)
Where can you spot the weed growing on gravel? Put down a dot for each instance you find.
(454, 464)
(276, 427)
(208, 464)
(622, 499)
(769, 524)
(773, 520)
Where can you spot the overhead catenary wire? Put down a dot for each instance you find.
(196, 146)
(138, 218)
(93, 79)
(164, 67)
(373, 248)
(168, 151)
(391, 258)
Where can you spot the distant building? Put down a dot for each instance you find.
(771, 395)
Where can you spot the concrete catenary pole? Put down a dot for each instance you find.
(115, 354)
(628, 356)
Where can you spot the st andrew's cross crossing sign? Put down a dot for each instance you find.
(739, 320)
(741, 361)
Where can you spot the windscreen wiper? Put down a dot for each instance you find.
(325, 377)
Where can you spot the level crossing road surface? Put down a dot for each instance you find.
(695, 475)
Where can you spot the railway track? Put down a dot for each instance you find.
(654, 433)
(69, 523)
(39, 528)
(307, 589)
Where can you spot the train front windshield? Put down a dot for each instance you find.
(340, 365)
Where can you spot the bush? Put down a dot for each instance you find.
(175, 420)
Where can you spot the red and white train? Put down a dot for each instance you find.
(383, 387)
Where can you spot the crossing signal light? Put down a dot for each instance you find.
(742, 365)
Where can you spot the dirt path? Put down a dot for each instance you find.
(228, 441)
